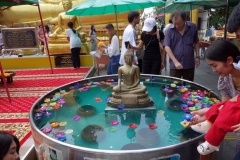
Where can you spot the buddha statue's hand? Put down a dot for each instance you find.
(54, 35)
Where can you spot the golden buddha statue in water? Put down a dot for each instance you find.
(130, 92)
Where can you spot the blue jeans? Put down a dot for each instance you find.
(237, 156)
(113, 65)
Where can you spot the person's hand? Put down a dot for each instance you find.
(198, 116)
(197, 62)
(236, 128)
(103, 46)
(162, 65)
(178, 65)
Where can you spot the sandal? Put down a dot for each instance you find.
(206, 148)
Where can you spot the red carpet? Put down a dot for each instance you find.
(27, 87)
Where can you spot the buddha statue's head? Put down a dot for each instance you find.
(67, 4)
(128, 57)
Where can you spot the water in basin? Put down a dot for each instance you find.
(86, 120)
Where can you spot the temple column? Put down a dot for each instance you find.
(167, 18)
(194, 18)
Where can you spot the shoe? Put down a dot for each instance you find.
(206, 148)
(201, 127)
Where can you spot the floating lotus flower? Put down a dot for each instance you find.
(184, 107)
(205, 106)
(108, 99)
(190, 103)
(54, 124)
(76, 86)
(112, 129)
(173, 85)
(47, 114)
(47, 130)
(55, 98)
(114, 122)
(62, 124)
(164, 80)
(56, 107)
(185, 124)
(121, 106)
(60, 97)
(53, 104)
(147, 79)
(76, 118)
(187, 116)
(192, 108)
(160, 111)
(62, 138)
(38, 115)
(44, 104)
(152, 126)
(108, 83)
(175, 82)
(36, 110)
(98, 99)
(110, 80)
(62, 91)
(84, 89)
(57, 94)
(49, 109)
(68, 131)
(61, 101)
(133, 125)
(96, 83)
(58, 134)
(47, 100)
(43, 109)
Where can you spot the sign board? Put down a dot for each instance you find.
(20, 38)
(63, 61)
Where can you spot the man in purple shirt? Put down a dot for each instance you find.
(180, 41)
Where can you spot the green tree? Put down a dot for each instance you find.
(217, 17)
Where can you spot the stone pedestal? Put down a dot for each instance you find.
(130, 100)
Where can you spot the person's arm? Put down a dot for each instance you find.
(68, 35)
(196, 47)
(166, 44)
(139, 46)
(89, 33)
(177, 64)
(113, 47)
(131, 40)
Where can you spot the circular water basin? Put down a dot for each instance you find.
(75, 121)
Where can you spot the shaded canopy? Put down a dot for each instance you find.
(187, 5)
(100, 7)
(9, 3)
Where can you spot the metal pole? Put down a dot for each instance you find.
(45, 38)
(5, 84)
(116, 20)
(226, 20)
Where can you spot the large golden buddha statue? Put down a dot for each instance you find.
(130, 92)
(58, 43)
